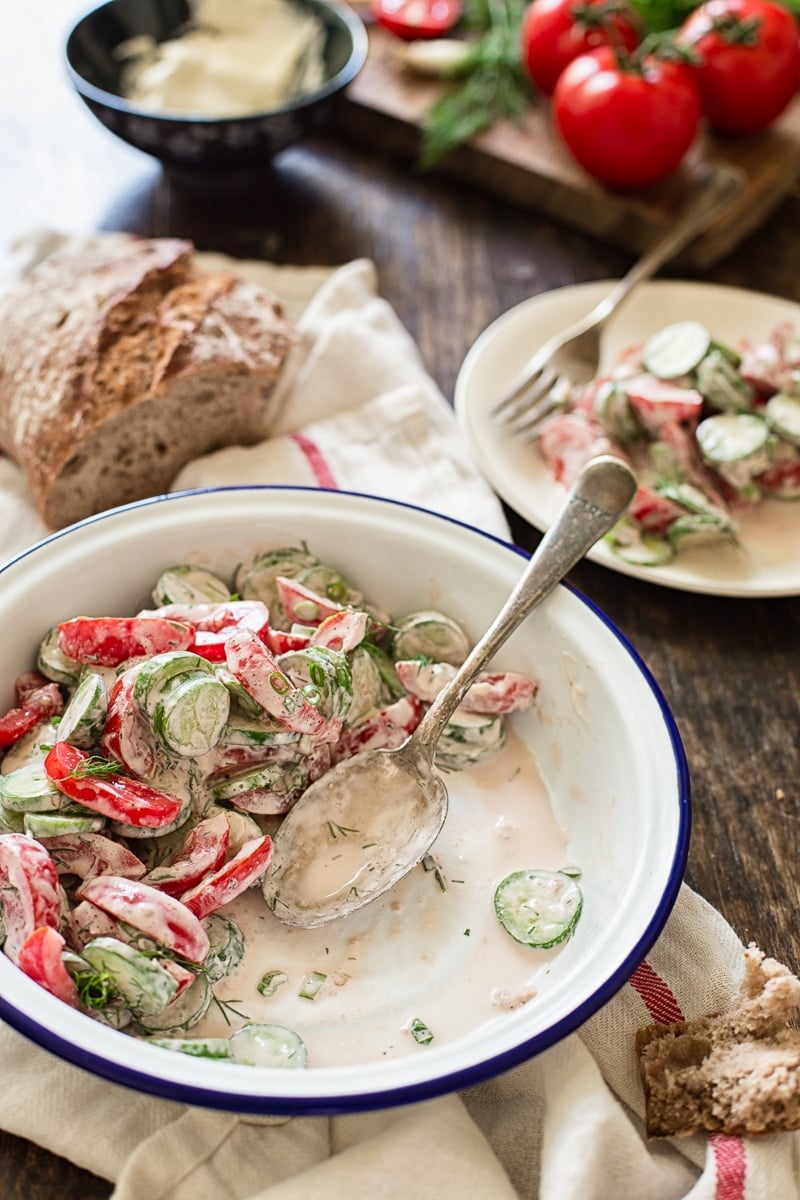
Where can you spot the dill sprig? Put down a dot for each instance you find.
(96, 767)
(490, 83)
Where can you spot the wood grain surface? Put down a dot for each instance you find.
(450, 258)
(524, 162)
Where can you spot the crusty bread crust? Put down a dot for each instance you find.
(735, 1072)
(119, 363)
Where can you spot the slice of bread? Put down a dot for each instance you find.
(736, 1072)
(121, 362)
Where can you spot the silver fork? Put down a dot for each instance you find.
(571, 358)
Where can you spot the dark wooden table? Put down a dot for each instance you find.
(450, 260)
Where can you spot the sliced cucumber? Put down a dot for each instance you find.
(84, 716)
(613, 410)
(263, 775)
(255, 578)
(270, 981)
(720, 383)
(538, 908)
(738, 445)
(328, 582)
(430, 634)
(312, 985)
(44, 825)
(145, 986)
(216, 1048)
(227, 946)
(697, 529)
(33, 748)
(244, 730)
(783, 416)
(630, 543)
(157, 672)
(54, 663)
(189, 713)
(188, 584)
(386, 669)
(28, 789)
(183, 1012)
(241, 700)
(11, 822)
(469, 738)
(324, 676)
(367, 686)
(268, 1046)
(676, 350)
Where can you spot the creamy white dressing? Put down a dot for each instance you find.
(239, 58)
(418, 952)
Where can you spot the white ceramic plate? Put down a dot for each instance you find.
(767, 563)
(623, 800)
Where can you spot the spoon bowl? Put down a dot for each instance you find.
(361, 827)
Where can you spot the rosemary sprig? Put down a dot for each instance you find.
(491, 84)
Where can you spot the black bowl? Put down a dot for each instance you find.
(206, 146)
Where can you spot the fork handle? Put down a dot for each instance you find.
(710, 194)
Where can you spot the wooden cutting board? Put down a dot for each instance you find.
(386, 108)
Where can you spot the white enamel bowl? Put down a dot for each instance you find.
(603, 737)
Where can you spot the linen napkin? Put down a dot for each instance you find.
(360, 412)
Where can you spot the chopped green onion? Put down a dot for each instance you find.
(420, 1032)
(311, 985)
(271, 981)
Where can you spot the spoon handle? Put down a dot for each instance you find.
(594, 505)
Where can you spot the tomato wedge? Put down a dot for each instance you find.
(29, 892)
(38, 700)
(231, 880)
(167, 921)
(109, 641)
(116, 796)
(88, 854)
(40, 959)
(203, 851)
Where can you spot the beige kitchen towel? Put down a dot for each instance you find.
(360, 412)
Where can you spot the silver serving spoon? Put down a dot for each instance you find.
(369, 820)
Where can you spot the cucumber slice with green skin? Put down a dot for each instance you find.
(142, 982)
(538, 908)
(270, 981)
(188, 584)
(84, 716)
(470, 738)
(243, 730)
(783, 416)
(613, 410)
(190, 712)
(676, 350)
(227, 946)
(430, 634)
(156, 673)
(721, 384)
(54, 664)
(28, 789)
(328, 582)
(216, 1048)
(266, 775)
(268, 1046)
(324, 676)
(632, 545)
(241, 700)
(44, 825)
(737, 445)
(183, 1012)
(367, 686)
(697, 529)
(255, 578)
(312, 985)
(392, 686)
(10, 821)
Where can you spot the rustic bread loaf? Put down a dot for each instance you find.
(120, 362)
(736, 1072)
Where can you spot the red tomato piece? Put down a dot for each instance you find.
(89, 854)
(278, 641)
(109, 641)
(342, 630)
(654, 513)
(86, 921)
(382, 730)
(231, 880)
(657, 402)
(118, 797)
(203, 851)
(412, 19)
(127, 736)
(749, 61)
(36, 704)
(40, 958)
(554, 32)
(500, 692)
(29, 891)
(303, 606)
(628, 123)
(167, 921)
(569, 440)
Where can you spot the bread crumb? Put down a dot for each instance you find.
(736, 1072)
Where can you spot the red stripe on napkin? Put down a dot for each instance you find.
(316, 460)
(658, 998)
(731, 1166)
(730, 1160)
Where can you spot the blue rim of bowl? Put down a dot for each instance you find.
(450, 1081)
(344, 76)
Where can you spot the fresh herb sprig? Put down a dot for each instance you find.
(488, 84)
